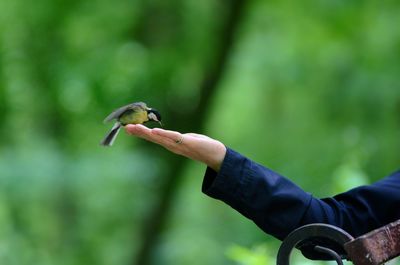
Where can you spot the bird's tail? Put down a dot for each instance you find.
(110, 137)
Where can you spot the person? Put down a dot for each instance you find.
(273, 202)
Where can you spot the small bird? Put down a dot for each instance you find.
(134, 113)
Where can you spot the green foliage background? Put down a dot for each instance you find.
(310, 89)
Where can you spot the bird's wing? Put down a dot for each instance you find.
(118, 112)
(138, 106)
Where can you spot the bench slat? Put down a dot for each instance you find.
(375, 247)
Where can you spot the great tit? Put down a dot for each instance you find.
(134, 113)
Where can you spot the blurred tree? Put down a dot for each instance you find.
(190, 121)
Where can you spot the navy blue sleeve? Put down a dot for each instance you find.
(278, 206)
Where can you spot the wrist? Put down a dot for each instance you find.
(217, 157)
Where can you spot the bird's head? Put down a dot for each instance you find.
(154, 115)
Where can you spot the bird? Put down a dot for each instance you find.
(134, 113)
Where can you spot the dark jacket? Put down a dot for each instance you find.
(278, 206)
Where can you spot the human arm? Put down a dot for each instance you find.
(273, 202)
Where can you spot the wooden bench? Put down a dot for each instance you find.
(328, 242)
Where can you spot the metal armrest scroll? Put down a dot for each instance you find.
(317, 242)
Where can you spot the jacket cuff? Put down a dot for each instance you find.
(228, 183)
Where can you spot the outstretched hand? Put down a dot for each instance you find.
(191, 145)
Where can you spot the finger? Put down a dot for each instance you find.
(172, 140)
(164, 139)
(140, 131)
(137, 129)
(172, 135)
(147, 134)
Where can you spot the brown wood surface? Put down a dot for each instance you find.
(375, 247)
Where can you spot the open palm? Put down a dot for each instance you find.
(191, 145)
